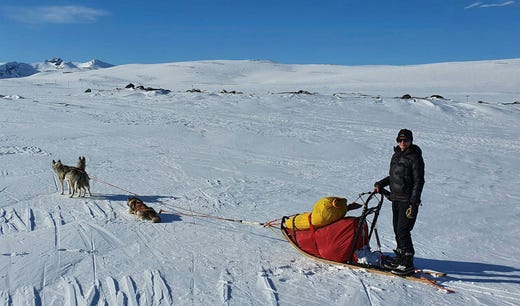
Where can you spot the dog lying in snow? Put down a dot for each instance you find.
(138, 208)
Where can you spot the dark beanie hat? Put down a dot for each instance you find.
(404, 134)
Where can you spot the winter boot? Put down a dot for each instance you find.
(394, 262)
(405, 267)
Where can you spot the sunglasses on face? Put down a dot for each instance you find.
(403, 140)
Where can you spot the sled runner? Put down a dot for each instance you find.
(344, 242)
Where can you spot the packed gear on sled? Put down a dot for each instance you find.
(333, 242)
(344, 240)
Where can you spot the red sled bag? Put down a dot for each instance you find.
(334, 241)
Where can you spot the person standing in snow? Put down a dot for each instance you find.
(406, 180)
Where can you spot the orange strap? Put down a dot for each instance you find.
(311, 229)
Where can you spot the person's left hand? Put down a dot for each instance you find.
(411, 212)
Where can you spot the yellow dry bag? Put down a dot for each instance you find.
(325, 211)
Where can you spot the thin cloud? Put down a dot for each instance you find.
(479, 4)
(476, 4)
(54, 14)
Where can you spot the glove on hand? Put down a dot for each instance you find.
(377, 187)
(411, 212)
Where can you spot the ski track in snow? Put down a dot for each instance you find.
(267, 285)
(12, 221)
(32, 219)
(226, 287)
(149, 288)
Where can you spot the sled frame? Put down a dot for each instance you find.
(367, 210)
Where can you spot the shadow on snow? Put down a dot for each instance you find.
(477, 272)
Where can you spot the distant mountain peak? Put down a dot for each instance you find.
(56, 61)
(18, 70)
(94, 64)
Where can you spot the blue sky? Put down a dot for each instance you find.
(360, 32)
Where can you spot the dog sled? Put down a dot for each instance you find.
(344, 240)
(330, 233)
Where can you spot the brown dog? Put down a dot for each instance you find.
(138, 208)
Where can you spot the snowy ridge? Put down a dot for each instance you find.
(486, 81)
(256, 154)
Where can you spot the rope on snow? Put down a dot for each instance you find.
(190, 213)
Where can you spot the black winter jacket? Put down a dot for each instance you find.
(406, 175)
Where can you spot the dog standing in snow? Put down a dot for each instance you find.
(78, 181)
(61, 170)
(76, 177)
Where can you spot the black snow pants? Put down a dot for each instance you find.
(403, 226)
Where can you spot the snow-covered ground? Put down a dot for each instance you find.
(255, 156)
